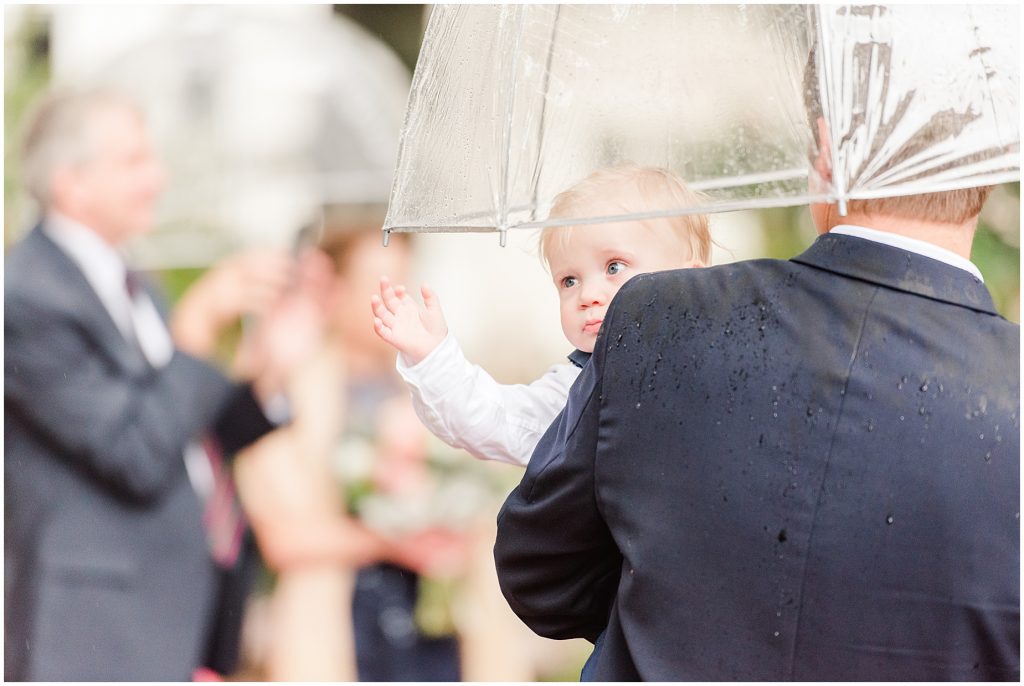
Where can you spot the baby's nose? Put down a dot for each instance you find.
(592, 295)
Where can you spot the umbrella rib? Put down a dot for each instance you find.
(507, 133)
(544, 111)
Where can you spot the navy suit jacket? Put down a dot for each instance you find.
(107, 575)
(803, 469)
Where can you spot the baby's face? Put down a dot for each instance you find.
(590, 265)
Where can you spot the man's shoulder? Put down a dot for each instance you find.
(683, 283)
(36, 276)
(30, 254)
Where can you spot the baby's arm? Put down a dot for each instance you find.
(458, 401)
(465, 407)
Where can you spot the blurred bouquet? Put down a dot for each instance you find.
(403, 481)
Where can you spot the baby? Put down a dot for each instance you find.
(462, 404)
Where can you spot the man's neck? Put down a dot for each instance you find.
(957, 238)
(81, 219)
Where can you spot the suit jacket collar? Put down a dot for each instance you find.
(898, 269)
(68, 289)
(579, 358)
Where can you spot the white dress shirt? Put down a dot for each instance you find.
(466, 408)
(910, 245)
(104, 268)
(136, 317)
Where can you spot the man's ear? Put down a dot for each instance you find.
(64, 187)
(823, 162)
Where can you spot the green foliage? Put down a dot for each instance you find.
(999, 263)
(26, 74)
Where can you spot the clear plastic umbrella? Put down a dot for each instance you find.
(511, 104)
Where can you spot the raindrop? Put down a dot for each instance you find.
(776, 634)
(988, 456)
(810, 412)
(902, 418)
(871, 426)
(981, 436)
(924, 387)
(782, 536)
(890, 519)
(779, 613)
(921, 410)
(638, 406)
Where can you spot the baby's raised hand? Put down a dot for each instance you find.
(399, 320)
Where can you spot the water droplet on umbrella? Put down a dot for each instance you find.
(988, 456)
(890, 519)
(638, 406)
(776, 634)
(924, 387)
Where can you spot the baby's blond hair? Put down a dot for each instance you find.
(632, 189)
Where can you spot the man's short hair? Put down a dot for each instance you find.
(633, 189)
(948, 207)
(57, 132)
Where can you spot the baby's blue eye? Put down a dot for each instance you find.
(616, 267)
(569, 282)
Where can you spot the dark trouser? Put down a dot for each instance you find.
(389, 646)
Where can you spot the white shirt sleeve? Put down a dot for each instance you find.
(466, 408)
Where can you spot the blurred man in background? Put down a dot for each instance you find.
(126, 553)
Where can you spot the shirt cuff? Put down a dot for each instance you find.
(433, 367)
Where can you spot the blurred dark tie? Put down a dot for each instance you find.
(222, 515)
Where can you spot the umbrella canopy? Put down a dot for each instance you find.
(512, 104)
(263, 115)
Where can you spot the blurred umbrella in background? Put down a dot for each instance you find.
(512, 104)
(263, 115)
